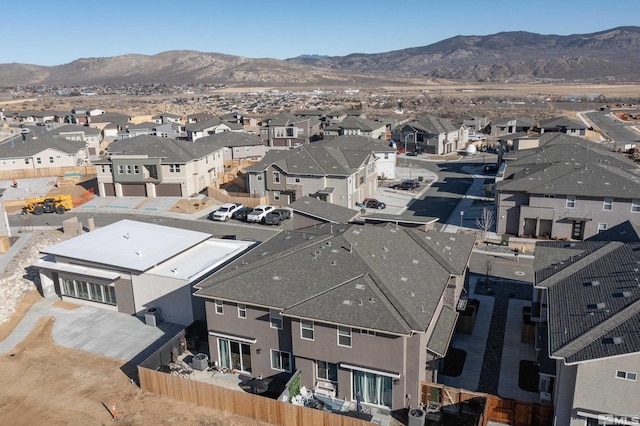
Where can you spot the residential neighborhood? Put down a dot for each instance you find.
(423, 263)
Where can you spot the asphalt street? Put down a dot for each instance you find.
(619, 132)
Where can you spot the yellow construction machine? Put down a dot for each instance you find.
(56, 204)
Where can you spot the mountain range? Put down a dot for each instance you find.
(611, 55)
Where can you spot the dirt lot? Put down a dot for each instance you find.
(41, 382)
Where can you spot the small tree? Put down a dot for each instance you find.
(488, 267)
(485, 221)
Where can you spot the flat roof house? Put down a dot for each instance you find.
(357, 309)
(132, 266)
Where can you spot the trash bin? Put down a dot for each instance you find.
(416, 417)
(200, 362)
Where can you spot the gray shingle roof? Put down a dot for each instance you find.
(432, 125)
(170, 150)
(404, 280)
(441, 336)
(231, 139)
(561, 122)
(17, 148)
(358, 143)
(209, 123)
(323, 210)
(593, 297)
(75, 128)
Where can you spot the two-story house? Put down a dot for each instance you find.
(386, 156)
(587, 302)
(91, 136)
(210, 126)
(433, 135)
(362, 310)
(288, 130)
(505, 126)
(165, 118)
(567, 188)
(236, 146)
(150, 166)
(339, 176)
(355, 126)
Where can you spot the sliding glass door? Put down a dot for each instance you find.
(234, 355)
(374, 389)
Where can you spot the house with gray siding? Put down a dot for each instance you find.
(151, 166)
(356, 309)
(210, 126)
(566, 188)
(587, 304)
(132, 267)
(562, 125)
(236, 146)
(285, 130)
(505, 126)
(340, 176)
(431, 134)
(91, 136)
(356, 126)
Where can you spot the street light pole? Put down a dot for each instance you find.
(461, 216)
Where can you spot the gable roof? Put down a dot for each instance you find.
(593, 298)
(561, 122)
(170, 150)
(432, 125)
(315, 159)
(358, 143)
(74, 128)
(231, 139)
(323, 210)
(211, 122)
(16, 147)
(368, 277)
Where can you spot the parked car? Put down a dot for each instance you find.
(226, 211)
(407, 184)
(276, 216)
(412, 153)
(259, 212)
(373, 203)
(241, 214)
(490, 168)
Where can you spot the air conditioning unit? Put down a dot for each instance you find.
(152, 317)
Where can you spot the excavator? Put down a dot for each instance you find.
(57, 204)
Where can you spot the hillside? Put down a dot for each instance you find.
(612, 55)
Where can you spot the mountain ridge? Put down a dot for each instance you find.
(612, 55)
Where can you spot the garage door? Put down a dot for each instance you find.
(109, 190)
(168, 190)
(137, 190)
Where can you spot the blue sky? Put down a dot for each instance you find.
(54, 33)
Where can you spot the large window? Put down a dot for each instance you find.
(571, 201)
(275, 319)
(635, 206)
(280, 361)
(373, 388)
(327, 371)
(607, 204)
(234, 355)
(344, 336)
(174, 168)
(88, 291)
(306, 329)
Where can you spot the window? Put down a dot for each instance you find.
(247, 149)
(234, 355)
(608, 204)
(236, 149)
(136, 169)
(275, 319)
(626, 375)
(51, 160)
(276, 177)
(174, 168)
(38, 160)
(276, 195)
(120, 169)
(242, 310)
(26, 161)
(602, 227)
(386, 155)
(306, 329)
(280, 361)
(344, 336)
(219, 306)
(571, 201)
(327, 371)
(88, 291)
(368, 332)
(279, 132)
(635, 206)
(259, 177)
(128, 169)
(298, 181)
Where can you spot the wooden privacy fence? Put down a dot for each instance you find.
(487, 407)
(238, 402)
(88, 169)
(249, 200)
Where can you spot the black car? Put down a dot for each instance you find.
(372, 203)
(490, 168)
(241, 214)
(407, 184)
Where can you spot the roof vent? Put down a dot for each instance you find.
(601, 305)
(347, 302)
(428, 237)
(617, 340)
(595, 283)
(276, 278)
(333, 263)
(126, 236)
(404, 279)
(174, 270)
(139, 252)
(415, 261)
(359, 286)
(372, 300)
(452, 238)
(385, 249)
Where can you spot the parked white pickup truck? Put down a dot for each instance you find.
(225, 212)
(259, 212)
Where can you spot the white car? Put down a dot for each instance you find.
(225, 212)
(259, 212)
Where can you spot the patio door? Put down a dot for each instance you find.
(234, 355)
(374, 389)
